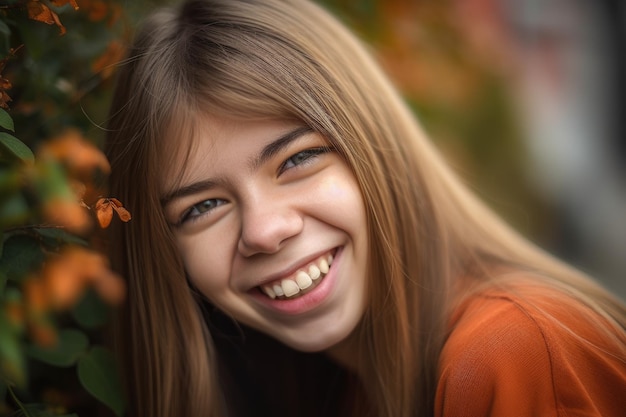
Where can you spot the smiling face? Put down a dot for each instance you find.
(271, 227)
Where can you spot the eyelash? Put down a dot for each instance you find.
(187, 217)
(305, 157)
(308, 154)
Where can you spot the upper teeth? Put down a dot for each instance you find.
(303, 279)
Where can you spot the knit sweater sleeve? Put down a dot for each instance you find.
(505, 359)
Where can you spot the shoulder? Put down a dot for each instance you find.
(525, 352)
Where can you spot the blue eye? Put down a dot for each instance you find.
(302, 157)
(203, 207)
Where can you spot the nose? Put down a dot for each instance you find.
(266, 226)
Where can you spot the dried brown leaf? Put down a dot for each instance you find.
(42, 13)
(104, 212)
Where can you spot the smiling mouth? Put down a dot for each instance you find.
(301, 282)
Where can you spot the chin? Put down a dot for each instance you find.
(317, 341)
(312, 346)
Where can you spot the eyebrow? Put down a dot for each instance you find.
(266, 153)
(187, 190)
(279, 144)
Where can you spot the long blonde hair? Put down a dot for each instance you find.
(289, 59)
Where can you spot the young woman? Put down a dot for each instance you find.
(299, 248)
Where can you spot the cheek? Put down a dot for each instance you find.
(342, 196)
(335, 188)
(206, 265)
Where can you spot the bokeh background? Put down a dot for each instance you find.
(527, 99)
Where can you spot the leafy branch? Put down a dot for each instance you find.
(56, 288)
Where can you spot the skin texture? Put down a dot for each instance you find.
(247, 212)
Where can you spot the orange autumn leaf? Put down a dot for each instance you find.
(78, 153)
(36, 295)
(67, 276)
(42, 13)
(104, 211)
(64, 282)
(4, 83)
(67, 213)
(4, 100)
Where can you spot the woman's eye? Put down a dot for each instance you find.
(302, 157)
(203, 207)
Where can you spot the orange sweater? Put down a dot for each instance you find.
(506, 357)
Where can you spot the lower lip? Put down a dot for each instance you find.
(308, 301)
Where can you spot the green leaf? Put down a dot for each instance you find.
(91, 312)
(13, 210)
(52, 182)
(11, 180)
(12, 295)
(5, 120)
(97, 373)
(55, 237)
(72, 344)
(16, 148)
(21, 254)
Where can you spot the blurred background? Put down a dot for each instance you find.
(527, 99)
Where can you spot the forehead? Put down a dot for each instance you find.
(209, 145)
